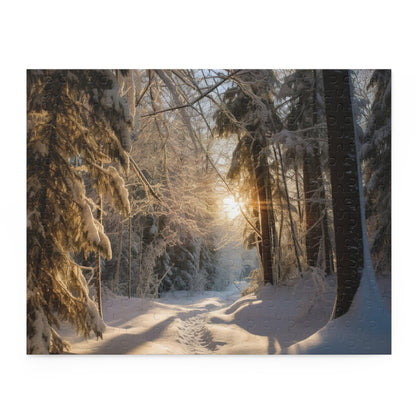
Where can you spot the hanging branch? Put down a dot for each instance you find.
(161, 279)
(143, 93)
(143, 179)
(195, 100)
(184, 115)
(218, 172)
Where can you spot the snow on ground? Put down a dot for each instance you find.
(364, 329)
(269, 322)
(209, 322)
(147, 326)
(274, 321)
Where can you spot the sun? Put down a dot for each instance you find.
(231, 207)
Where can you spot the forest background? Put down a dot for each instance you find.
(255, 38)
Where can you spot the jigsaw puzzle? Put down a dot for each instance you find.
(209, 211)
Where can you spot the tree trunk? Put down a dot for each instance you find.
(300, 213)
(98, 261)
(345, 191)
(116, 279)
(312, 182)
(292, 224)
(313, 208)
(129, 283)
(139, 289)
(271, 219)
(329, 258)
(266, 250)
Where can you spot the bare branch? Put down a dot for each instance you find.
(195, 100)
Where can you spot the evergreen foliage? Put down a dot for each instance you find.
(376, 158)
(248, 112)
(69, 113)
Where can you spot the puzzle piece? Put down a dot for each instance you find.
(171, 193)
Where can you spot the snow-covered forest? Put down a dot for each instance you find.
(209, 211)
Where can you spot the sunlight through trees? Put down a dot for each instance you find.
(146, 182)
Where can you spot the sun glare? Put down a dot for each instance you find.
(231, 207)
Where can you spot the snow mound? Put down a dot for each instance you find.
(274, 319)
(365, 329)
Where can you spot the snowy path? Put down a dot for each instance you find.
(206, 323)
(175, 324)
(218, 322)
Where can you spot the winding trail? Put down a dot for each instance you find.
(211, 322)
(174, 324)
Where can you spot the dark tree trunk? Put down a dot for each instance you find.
(98, 261)
(261, 170)
(345, 191)
(271, 220)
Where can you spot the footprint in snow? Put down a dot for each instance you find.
(195, 337)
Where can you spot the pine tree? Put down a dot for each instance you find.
(69, 113)
(249, 113)
(376, 158)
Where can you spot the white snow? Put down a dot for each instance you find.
(118, 190)
(145, 326)
(365, 329)
(89, 224)
(212, 322)
(286, 320)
